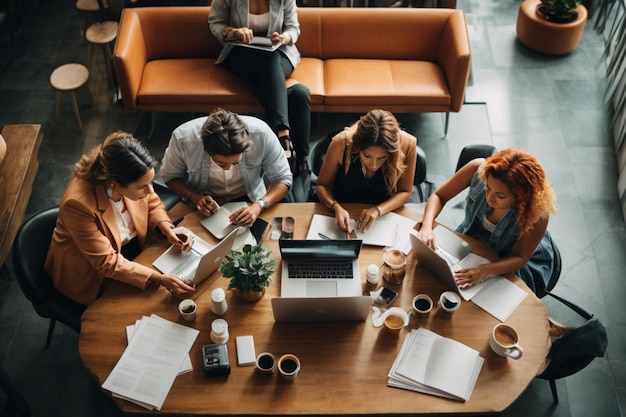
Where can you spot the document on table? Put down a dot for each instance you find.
(387, 231)
(499, 297)
(147, 368)
(185, 366)
(432, 364)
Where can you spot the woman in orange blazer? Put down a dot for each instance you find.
(107, 214)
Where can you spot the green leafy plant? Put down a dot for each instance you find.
(250, 269)
(559, 11)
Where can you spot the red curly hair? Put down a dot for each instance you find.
(523, 174)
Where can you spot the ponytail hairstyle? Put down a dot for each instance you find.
(120, 158)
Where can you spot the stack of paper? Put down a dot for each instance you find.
(154, 357)
(435, 365)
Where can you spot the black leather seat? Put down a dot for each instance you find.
(169, 197)
(29, 255)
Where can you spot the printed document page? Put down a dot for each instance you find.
(382, 233)
(436, 365)
(147, 369)
(499, 297)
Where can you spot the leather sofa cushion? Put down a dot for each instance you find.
(388, 82)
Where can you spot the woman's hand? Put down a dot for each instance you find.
(245, 35)
(177, 286)
(367, 219)
(181, 237)
(207, 206)
(245, 216)
(468, 277)
(342, 218)
(428, 237)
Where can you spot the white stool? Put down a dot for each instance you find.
(69, 78)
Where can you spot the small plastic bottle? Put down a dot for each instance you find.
(372, 274)
(219, 331)
(218, 302)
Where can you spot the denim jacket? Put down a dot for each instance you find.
(539, 268)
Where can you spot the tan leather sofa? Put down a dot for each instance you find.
(353, 60)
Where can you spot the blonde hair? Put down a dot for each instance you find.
(379, 128)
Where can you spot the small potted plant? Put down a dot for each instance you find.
(250, 271)
(559, 11)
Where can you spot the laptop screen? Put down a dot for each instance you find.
(320, 249)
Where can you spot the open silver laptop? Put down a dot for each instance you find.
(320, 281)
(199, 263)
(320, 268)
(452, 254)
(310, 309)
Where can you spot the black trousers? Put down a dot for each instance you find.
(285, 108)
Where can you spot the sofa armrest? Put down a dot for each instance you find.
(454, 56)
(130, 57)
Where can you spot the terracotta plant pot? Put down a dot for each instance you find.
(565, 17)
(249, 296)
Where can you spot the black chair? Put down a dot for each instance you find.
(169, 198)
(579, 345)
(29, 255)
(317, 153)
(472, 152)
(420, 181)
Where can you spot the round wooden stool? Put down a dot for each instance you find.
(89, 8)
(102, 34)
(69, 78)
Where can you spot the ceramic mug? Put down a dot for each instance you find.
(449, 302)
(504, 341)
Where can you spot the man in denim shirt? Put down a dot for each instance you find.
(226, 157)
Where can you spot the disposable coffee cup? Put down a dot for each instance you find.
(265, 363)
(449, 302)
(504, 341)
(289, 366)
(187, 309)
(422, 305)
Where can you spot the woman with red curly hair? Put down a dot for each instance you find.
(508, 207)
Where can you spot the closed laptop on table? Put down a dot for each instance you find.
(320, 281)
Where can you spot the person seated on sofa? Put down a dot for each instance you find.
(224, 157)
(107, 214)
(288, 109)
(370, 162)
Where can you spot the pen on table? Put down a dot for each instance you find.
(177, 221)
(323, 236)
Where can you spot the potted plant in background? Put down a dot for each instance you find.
(559, 11)
(250, 271)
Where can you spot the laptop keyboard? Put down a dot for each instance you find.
(330, 270)
(187, 267)
(452, 263)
